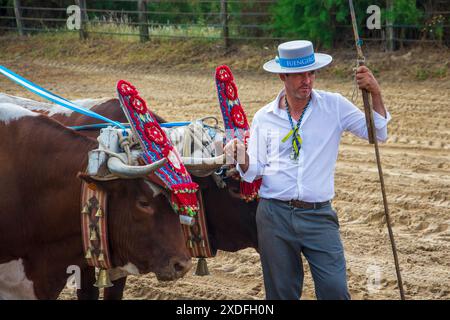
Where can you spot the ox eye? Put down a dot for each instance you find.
(143, 203)
(144, 206)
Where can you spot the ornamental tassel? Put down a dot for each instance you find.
(249, 191)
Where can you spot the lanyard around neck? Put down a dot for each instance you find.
(296, 139)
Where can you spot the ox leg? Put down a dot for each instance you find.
(115, 292)
(88, 291)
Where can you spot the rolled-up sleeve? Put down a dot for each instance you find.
(257, 153)
(354, 120)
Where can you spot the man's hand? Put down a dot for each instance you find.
(366, 80)
(235, 152)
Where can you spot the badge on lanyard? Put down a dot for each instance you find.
(295, 145)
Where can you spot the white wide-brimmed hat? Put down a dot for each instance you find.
(296, 57)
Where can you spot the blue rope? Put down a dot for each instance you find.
(126, 125)
(53, 97)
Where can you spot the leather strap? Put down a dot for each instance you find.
(307, 205)
(94, 222)
(196, 236)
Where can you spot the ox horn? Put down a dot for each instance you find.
(118, 168)
(203, 164)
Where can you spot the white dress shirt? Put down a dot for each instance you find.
(311, 177)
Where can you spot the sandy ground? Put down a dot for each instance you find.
(416, 162)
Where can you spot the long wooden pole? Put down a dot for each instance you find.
(83, 30)
(390, 46)
(18, 17)
(373, 140)
(224, 17)
(143, 26)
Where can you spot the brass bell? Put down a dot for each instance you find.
(85, 209)
(88, 254)
(202, 243)
(101, 256)
(93, 235)
(202, 267)
(103, 280)
(190, 244)
(99, 213)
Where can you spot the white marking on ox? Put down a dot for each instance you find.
(89, 103)
(14, 283)
(49, 109)
(10, 112)
(130, 269)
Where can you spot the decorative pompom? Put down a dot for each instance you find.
(126, 89)
(231, 90)
(238, 116)
(154, 133)
(223, 74)
(138, 104)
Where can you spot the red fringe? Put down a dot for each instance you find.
(249, 191)
(184, 198)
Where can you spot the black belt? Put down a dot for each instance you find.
(305, 205)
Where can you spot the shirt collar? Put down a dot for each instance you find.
(274, 107)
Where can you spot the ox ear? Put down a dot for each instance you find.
(156, 189)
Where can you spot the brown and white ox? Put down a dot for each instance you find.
(230, 220)
(41, 163)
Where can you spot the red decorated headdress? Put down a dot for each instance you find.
(235, 120)
(156, 146)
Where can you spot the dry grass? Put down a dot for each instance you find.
(186, 54)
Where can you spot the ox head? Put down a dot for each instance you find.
(145, 234)
(231, 220)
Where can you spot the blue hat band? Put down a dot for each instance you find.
(297, 62)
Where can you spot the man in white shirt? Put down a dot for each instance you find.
(293, 146)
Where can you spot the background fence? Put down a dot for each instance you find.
(230, 21)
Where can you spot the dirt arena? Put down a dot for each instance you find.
(416, 163)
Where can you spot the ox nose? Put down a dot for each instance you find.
(180, 266)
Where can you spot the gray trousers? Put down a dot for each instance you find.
(283, 233)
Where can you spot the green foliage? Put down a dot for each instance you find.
(314, 20)
(404, 12)
(319, 20)
(434, 27)
(433, 73)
